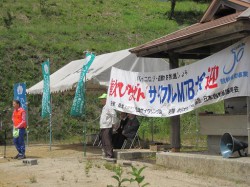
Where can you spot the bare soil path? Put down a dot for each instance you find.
(65, 165)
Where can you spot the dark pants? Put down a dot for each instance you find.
(19, 142)
(118, 140)
(106, 137)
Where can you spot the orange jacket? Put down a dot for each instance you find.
(19, 118)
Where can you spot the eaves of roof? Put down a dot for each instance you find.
(193, 30)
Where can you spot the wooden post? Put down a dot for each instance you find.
(248, 124)
(175, 139)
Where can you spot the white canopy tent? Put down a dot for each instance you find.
(67, 77)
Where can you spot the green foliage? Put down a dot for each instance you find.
(158, 129)
(154, 128)
(109, 166)
(118, 177)
(60, 30)
(88, 166)
(8, 20)
(137, 176)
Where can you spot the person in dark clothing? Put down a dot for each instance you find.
(117, 137)
(131, 127)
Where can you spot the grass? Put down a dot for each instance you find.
(60, 30)
(91, 24)
(33, 179)
(88, 166)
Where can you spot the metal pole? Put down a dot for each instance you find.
(5, 143)
(248, 123)
(1, 125)
(84, 140)
(5, 135)
(50, 132)
(84, 126)
(50, 124)
(197, 127)
(27, 121)
(152, 130)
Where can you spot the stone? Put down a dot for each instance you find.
(30, 161)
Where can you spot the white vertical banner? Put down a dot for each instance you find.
(174, 92)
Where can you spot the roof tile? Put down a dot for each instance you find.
(188, 31)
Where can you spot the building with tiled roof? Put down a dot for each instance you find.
(223, 23)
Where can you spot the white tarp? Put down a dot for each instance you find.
(67, 77)
(174, 92)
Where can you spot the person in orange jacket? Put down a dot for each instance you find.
(19, 126)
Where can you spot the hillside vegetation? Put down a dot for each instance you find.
(32, 31)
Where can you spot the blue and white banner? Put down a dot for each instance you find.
(20, 94)
(174, 92)
(46, 106)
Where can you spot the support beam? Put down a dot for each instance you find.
(213, 41)
(181, 56)
(175, 133)
(248, 124)
(175, 139)
(239, 27)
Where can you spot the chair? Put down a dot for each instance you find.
(96, 139)
(133, 140)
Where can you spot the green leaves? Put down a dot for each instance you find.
(118, 177)
(137, 176)
(136, 173)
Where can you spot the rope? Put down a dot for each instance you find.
(94, 120)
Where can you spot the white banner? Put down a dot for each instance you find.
(174, 92)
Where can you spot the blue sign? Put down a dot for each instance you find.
(20, 94)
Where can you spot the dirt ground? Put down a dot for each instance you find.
(65, 165)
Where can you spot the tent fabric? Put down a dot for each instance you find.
(67, 77)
